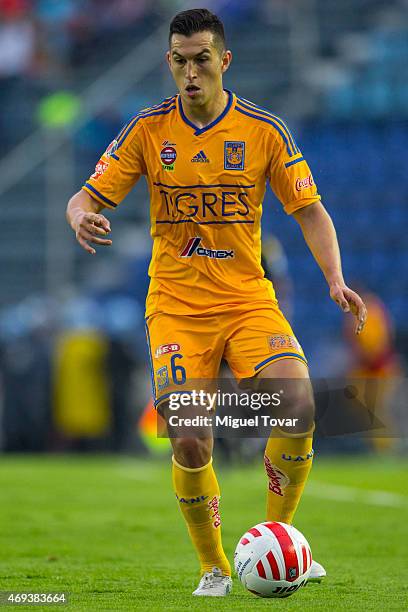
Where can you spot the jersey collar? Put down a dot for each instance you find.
(198, 131)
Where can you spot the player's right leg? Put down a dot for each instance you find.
(183, 349)
(198, 494)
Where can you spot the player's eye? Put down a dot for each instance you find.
(201, 60)
(180, 61)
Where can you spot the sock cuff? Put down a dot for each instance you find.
(303, 434)
(187, 469)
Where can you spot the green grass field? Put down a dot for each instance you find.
(108, 531)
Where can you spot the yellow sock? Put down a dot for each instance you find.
(288, 461)
(198, 495)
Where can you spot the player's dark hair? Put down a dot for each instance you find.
(198, 20)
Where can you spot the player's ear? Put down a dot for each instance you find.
(226, 60)
(168, 59)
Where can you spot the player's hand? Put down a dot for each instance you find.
(349, 301)
(88, 227)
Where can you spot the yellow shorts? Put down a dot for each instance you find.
(188, 347)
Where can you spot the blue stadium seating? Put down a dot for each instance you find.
(361, 183)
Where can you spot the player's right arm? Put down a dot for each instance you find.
(116, 173)
(83, 215)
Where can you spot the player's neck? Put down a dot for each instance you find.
(204, 115)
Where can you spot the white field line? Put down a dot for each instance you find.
(321, 490)
(344, 493)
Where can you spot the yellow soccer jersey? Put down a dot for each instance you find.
(206, 191)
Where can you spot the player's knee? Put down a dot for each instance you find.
(300, 409)
(192, 452)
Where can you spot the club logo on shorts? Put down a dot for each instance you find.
(163, 349)
(193, 248)
(283, 342)
(304, 183)
(168, 156)
(162, 377)
(100, 168)
(278, 480)
(234, 155)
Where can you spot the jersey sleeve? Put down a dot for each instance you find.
(289, 174)
(119, 168)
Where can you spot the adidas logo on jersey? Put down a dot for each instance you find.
(201, 158)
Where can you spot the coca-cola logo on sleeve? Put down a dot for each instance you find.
(304, 183)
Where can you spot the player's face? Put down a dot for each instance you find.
(197, 65)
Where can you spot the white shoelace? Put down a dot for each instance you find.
(211, 578)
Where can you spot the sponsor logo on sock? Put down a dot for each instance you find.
(192, 500)
(298, 457)
(278, 480)
(213, 505)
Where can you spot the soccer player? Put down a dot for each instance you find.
(207, 154)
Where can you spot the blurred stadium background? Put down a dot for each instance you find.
(73, 361)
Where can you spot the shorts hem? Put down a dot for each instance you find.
(261, 366)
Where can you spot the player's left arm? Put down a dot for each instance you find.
(320, 236)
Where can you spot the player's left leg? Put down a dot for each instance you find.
(288, 454)
(262, 348)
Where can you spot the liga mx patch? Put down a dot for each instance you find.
(112, 148)
(234, 155)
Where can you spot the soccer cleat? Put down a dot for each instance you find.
(317, 572)
(214, 584)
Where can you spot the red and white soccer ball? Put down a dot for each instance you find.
(273, 560)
